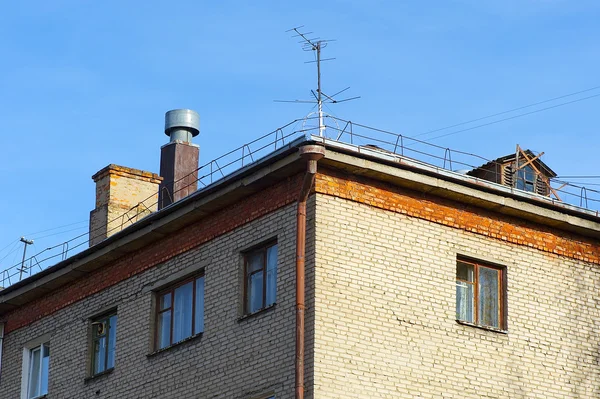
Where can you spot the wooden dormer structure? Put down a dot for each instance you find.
(522, 170)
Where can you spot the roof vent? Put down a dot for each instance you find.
(179, 157)
(181, 125)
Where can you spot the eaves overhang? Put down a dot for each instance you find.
(283, 162)
(277, 165)
(420, 176)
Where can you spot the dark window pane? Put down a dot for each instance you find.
(465, 271)
(165, 301)
(255, 292)
(271, 275)
(99, 355)
(182, 320)
(520, 179)
(529, 174)
(464, 301)
(489, 309)
(164, 329)
(104, 336)
(199, 316)
(255, 262)
(526, 179)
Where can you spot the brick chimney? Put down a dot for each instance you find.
(119, 195)
(179, 157)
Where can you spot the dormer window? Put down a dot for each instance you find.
(522, 170)
(526, 179)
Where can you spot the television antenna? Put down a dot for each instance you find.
(25, 242)
(316, 45)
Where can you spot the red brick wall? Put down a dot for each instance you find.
(412, 203)
(244, 211)
(457, 215)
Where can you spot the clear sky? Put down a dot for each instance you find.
(86, 83)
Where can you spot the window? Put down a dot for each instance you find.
(260, 278)
(180, 312)
(37, 371)
(526, 179)
(104, 335)
(480, 294)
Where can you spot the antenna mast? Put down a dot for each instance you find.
(319, 99)
(25, 244)
(317, 45)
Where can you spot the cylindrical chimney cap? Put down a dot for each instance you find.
(185, 119)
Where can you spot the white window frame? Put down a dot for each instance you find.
(26, 366)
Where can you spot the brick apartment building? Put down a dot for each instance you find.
(418, 283)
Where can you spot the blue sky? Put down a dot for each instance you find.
(84, 84)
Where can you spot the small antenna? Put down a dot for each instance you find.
(316, 44)
(25, 242)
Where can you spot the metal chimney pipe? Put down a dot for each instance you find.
(179, 157)
(181, 125)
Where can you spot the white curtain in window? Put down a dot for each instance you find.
(464, 301)
(488, 297)
(182, 320)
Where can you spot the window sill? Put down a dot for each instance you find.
(487, 328)
(101, 374)
(176, 344)
(259, 311)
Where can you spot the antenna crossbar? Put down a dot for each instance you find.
(326, 59)
(316, 44)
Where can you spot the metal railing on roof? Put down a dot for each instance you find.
(339, 130)
(207, 174)
(576, 195)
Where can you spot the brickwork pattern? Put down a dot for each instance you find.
(234, 358)
(124, 186)
(216, 224)
(385, 306)
(381, 264)
(118, 190)
(457, 215)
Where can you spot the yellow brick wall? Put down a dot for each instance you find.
(385, 313)
(123, 196)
